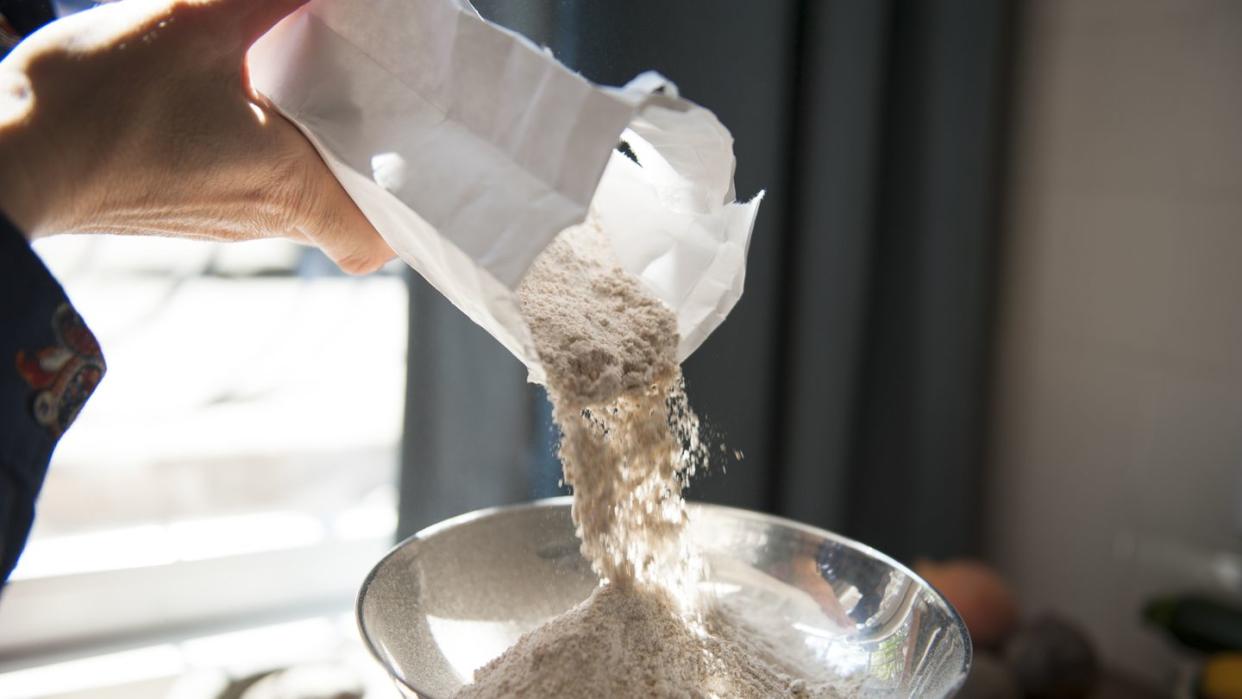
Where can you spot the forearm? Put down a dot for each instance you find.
(20, 198)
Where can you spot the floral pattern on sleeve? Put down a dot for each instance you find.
(62, 376)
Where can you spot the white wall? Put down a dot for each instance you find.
(1118, 444)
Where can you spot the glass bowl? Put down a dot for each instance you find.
(456, 595)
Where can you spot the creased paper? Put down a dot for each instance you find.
(469, 149)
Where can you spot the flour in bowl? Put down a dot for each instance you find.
(633, 642)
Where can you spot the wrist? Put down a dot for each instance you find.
(36, 194)
(23, 198)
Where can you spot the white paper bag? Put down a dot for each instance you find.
(469, 149)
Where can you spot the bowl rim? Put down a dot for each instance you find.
(567, 500)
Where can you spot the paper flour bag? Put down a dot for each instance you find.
(469, 149)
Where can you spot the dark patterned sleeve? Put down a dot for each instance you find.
(49, 365)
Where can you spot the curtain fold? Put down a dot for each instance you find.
(919, 409)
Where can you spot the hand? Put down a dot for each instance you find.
(138, 117)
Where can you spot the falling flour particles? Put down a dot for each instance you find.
(629, 442)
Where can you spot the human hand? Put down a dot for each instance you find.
(138, 117)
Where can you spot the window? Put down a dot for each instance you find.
(236, 465)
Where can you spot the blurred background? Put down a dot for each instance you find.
(993, 311)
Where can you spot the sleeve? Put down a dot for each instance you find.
(50, 364)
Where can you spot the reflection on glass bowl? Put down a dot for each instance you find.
(456, 595)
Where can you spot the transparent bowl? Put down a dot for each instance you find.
(456, 595)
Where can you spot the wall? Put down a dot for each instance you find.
(1117, 433)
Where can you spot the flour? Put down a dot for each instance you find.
(628, 437)
(598, 333)
(629, 443)
(631, 643)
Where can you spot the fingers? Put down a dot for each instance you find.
(325, 214)
(309, 203)
(353, 244)
(330, 218)
(343, 233)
